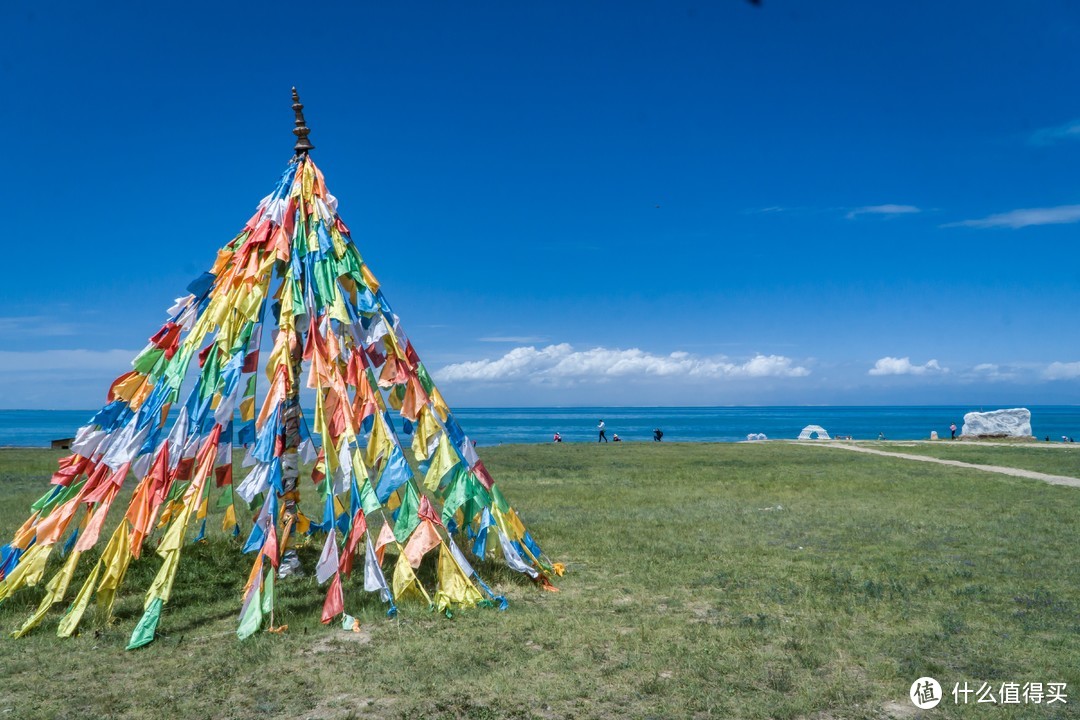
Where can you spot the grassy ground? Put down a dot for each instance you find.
(705, 580)
(1052, 458)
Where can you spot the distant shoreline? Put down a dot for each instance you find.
(532, 425)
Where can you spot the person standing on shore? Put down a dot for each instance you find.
(952, 429)
(603, 436)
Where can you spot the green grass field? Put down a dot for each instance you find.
(1051, 458)
(764, 580)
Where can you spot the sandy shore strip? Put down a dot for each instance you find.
(1015, 472)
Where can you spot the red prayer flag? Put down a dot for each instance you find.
(359, 527)
(427, 512)
(70, 468)
(335, 600)
(483, 475)
(270, 548)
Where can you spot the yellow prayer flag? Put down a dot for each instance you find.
(229, 521)
(369, 279)
(337, 309)
(454, 588)
(379, 443)
(439, 404)
(247, 409)
(129, 387)
(359, 468)
(339, 242)
(71, 619)
(115, 559)
(163, 581)
(224, 257)
(303, 524)
(279, 355)
(29, 571)
(506, 525)
(405, 580)
(55, 590)
(287, 315)
(250, 303)
(445, 458)
(426, 428)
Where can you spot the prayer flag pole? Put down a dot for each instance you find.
(291, 412)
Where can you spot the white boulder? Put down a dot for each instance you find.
(998, 423)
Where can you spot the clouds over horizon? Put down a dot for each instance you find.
(903, 366)
(562, 364)
(1062, 371)
(69, 361)
(36, 325)
(512, 339)
(1016, 219)
(59, 379)
(888, 210)
(561, 374)
(1044, 137)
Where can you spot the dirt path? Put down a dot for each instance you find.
(1015, 472)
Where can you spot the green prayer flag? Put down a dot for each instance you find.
(268, 593)
(177, 370)
(500, 501)
(252, 620)
(147, 628)
(325, 280)
(177, 491)
(456, 495)
(226, 498)
(239, 240)
(145, 361)
(356, 263)
(425, 379)
(368, 499)
(407, 519)
(242, 338)
(477, 494)
(45, 504)
(211, 374)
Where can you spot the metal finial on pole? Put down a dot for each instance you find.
(303, 145)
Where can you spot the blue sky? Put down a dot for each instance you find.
(621, 203)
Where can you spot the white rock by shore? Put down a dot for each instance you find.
(1015, 422)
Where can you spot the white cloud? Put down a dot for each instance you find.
(81, 362)
(1054, 135)
(38, 325)
(883, 210)
(903, 366)
(1060, 215)
(72, 379)
(993, 372)
(1062, 371)
(562, 364)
